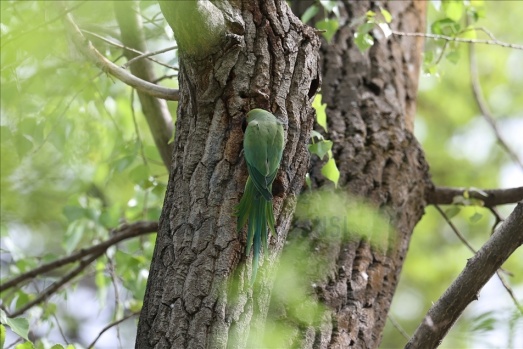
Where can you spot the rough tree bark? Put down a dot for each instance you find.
(234, 56)
(371, 105)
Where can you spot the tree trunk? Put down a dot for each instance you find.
(234, 56)
(370, 101)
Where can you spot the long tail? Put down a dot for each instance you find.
(255, 209)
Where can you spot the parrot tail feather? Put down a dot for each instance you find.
(257, 211)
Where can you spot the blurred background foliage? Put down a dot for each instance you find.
(77, 160)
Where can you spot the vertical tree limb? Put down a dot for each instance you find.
(155, 110)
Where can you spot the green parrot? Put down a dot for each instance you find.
(262, 147)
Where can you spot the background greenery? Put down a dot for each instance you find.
(77, 160)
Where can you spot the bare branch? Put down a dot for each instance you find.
(483, 107)
(463, 40)
(119, 45)
(87, 48)
(84, 263)
(479, 269)
(455, 230)
(122, 233)
(149, 54)
(490, 198)
(112, 324)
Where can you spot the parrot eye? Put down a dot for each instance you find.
(244, 124)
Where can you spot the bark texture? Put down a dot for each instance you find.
(370, 107)
(266, 59)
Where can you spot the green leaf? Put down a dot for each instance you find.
(22, 145)
(2, 336)
(331, 172)
(73, 213)
(309, 13)
(476, 217)
(308, 181)
(330, 26)
(20, 325)
(140, 174)
(484, 322)
(73, 235)
(386, 15)
(58, 346)
(321, 148)
(321, 116)
(363, 40)
(453, 56)
(445, 26)
(316, 134)
(25, 345)
(452, 211)
(123, 162)
(453, 9)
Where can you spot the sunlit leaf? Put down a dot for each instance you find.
(330, 27)
(20, 325)
(321, 115)
(331, 172)
(453, 9)
(452, 211)
(386, 15)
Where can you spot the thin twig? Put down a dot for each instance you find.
(463, 40)
(147, 55)
(125, 232)
(112, 324)
(122, 46)
(509, 290)
(137, 129)
(117, 304)
(57, 285)
(483, 107)
(498, 217)
(498, 272)
(87, 48)
(454, 229)
(398, 327)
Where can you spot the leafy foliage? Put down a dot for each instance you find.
(77, 160)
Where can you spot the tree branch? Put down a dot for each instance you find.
(490, 198)
(123, 233)
(155, 110)
(479, 269)
(56, 286)
(463, 40)
(150, 54)
(119, 45)
(87, 48)
(483, 107)
(109, 326)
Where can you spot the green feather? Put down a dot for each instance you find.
(263, 148)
